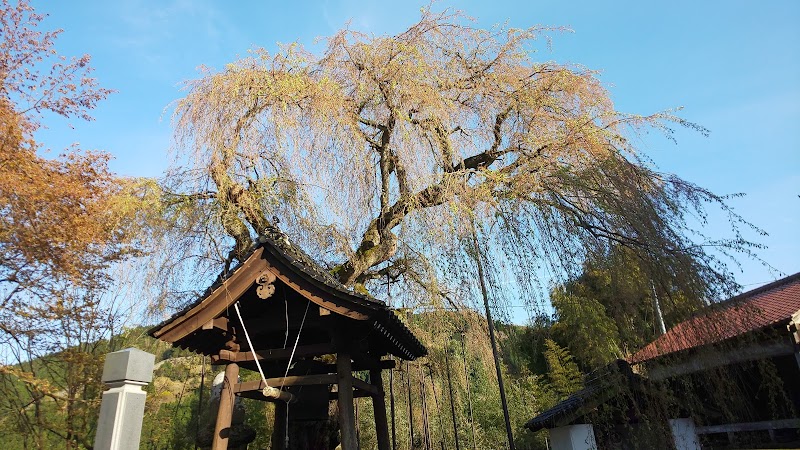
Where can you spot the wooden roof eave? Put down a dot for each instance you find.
(313, 289)
(243, 278)
(215, 303)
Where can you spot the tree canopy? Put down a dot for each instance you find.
(381, 154)
(59, 220)
(63, 222)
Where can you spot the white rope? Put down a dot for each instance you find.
(286, 310)
(252, 349)
(295, 344)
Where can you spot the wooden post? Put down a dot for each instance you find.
(469, 390)
(426, 429)
(279, 428)
(379, 408)
(222, 429)
(347, 417)
(794, 328)
(452, 405)
(200, 401)
(493, 340)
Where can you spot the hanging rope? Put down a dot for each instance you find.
(296, 341)
(249, 342)
(268, 391)
(289, 364)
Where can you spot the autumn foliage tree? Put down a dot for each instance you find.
(62, 224)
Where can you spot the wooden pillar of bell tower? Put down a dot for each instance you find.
(222, 428)
(379, 408)
(279, 426)
(347, 416)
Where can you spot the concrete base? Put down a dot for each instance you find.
(684, 434)
(573, 437)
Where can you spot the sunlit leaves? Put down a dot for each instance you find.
(384, 151)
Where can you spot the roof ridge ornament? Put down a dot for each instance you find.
(265, 281)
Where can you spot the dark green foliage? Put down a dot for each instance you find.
(586, 329)
(565, 377)
(608, 311)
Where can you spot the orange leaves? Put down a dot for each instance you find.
(63, 86)
(54, 214)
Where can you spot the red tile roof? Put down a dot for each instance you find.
(753, 310)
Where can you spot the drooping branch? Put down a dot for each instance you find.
(407, 138)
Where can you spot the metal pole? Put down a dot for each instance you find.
(509, 432)
(657, 306)
(410, 411)
(452, 406)
(391, 406)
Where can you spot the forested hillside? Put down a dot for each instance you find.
(445, 169)
(543, 362)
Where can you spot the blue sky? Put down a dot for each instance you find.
(734, 67)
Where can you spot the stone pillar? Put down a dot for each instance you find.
(573, 437)
(684, 434)
(120, 424)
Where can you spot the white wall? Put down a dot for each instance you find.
(573, 437)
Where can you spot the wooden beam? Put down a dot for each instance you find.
(357, 393)
(364, 386)
(296, 380)
(379, 410)
(217, 302)
(385, 364)
(750, 426)
(347, 417)
(220, 323)
(710, 358)
(226, 356)
(222, 427)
